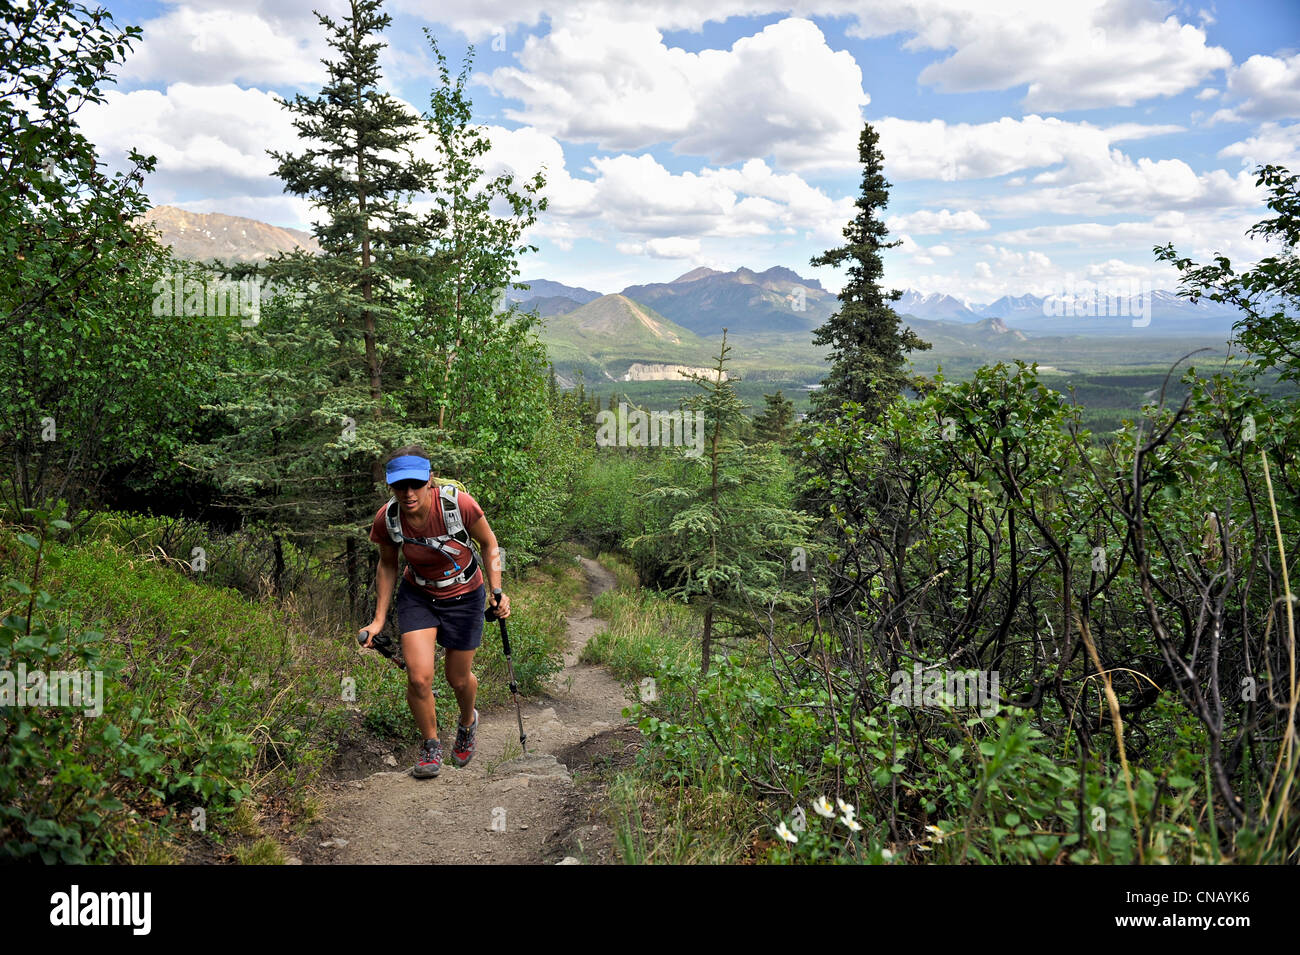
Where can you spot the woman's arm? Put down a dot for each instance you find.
(385, 578)
(487, 544)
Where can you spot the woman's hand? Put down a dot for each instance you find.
(372, 630)
(503, 608)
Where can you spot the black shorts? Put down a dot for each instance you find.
(459, 619)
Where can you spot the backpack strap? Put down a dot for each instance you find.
(393, 520)
(443, 544)
(455, 524)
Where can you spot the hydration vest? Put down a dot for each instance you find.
(456, 545)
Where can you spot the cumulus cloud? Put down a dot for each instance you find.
(636, 195)
(782, 93)
(1122, 184)
(640, 196)
(1268, 86)
(672, 247)
(1001, 270)
(1272, 143)
(936, 149)
(210, 42)
(1198, 234)
(1088, 53)
(1081, 55)
(217, 133)
(929, 222)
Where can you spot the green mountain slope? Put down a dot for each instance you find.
(606, 336)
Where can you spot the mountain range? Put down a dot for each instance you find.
(651, 332)
(1157, 312)
(779, 301)
(204, 236)
(775, 303)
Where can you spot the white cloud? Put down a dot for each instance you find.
(673, 247)
(1084, 54)
(1208, 93)
(1272, 143)
(1121, 270)
(929, 222)
(1268, 86)
(936, 149)
(207, 42)
(921, 255)
(1199, 234)
(637, 196)
(526, 151)
(1088, 53)
(781, 93)
(1112, 183)
(219, 133)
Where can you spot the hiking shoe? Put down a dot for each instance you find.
(463, 751)
(429, 762)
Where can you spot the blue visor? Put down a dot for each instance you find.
(408, 467)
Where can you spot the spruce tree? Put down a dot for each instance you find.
(306, 406)
(359, 169)
(867, 345)
(727, 530)
(776, 423)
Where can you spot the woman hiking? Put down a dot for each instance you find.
(441, 596)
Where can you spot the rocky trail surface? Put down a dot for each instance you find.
(503, 807)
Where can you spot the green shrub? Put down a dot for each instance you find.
(203, 692)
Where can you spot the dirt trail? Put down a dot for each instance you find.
(524, 810)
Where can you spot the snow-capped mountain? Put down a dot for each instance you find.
(935, 307)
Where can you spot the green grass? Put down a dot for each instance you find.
(647, 631)
(211, 700)
(661, 825)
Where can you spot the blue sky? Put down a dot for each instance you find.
(1028, 145)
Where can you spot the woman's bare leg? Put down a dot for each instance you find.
(420, 648)
(463, 682)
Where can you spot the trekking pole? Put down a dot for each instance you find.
(510, 667)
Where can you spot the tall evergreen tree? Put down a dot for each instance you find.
(867, 345)
(307, 405)
(776, 422)
(359, 168)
